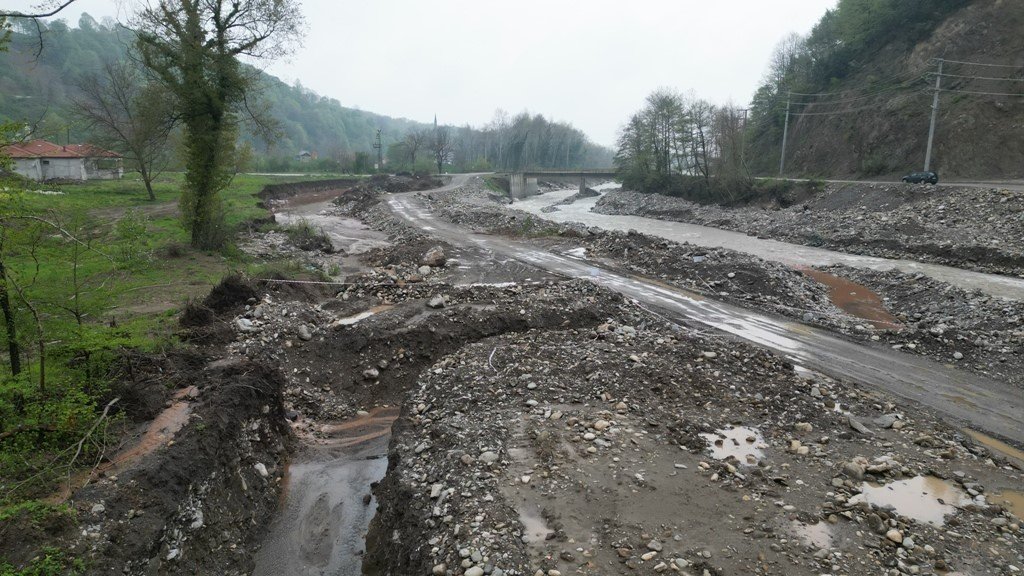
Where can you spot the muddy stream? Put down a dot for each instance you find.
(327, 505)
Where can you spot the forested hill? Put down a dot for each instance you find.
(862, 84)
(36, 87)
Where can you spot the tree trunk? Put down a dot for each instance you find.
(12, 330)
(147, 179)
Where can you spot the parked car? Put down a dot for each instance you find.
(919, 177)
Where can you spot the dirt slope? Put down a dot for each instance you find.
(977, 137)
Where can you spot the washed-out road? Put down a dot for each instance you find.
(964, 399)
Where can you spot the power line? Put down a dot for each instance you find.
(984, 64)
(905, 85)
(983, 78)
(905, 75)
(984, 93)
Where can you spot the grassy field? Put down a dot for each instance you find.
(113, 280)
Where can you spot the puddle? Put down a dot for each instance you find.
(817, 535)
(321, 528)
(855, 299)
(923, 498)
(742, 443)
(994, 445)
(355, 319)
(535, 529)
(1012, 499)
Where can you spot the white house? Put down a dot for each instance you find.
(41, 160)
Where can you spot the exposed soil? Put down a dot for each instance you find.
(542, 424)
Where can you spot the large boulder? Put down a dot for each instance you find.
(434, 257)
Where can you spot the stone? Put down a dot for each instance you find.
(803, 427)
(475, 571)
(854, 470)
(895, 535)
(434, 257)
(654, 545)
(710, 355)
(858, 425)
(98, 508)
(245, 325)
(601, 425)
(439, 569)
(886, 420)
(304, 333)
(958, 356)
(488, 457)
(423, 270)
(261, 469)
(371, 374)
(436, 302)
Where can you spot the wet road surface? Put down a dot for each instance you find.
(962, 397)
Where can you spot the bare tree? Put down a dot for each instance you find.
(130, 116)
(414, 141)
(441, 146)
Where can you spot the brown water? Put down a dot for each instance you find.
(855, 299)
(321, 528)
(997, 446)
(923, 498)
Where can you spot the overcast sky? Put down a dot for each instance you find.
(590, 63)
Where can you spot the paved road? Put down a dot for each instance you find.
(966, 399)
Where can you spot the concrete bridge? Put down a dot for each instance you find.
(523, 184)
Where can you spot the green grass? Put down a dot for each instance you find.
(137, 274)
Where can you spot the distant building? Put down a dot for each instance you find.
(41, 160)
(306, 156)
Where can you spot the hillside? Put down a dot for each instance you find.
(864, 81)
(36, 87)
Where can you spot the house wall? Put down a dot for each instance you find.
(63, 168)
(28, 167)
(103, 169)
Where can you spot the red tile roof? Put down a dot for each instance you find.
(44, 149)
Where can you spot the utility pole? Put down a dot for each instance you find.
(743, 141)
(935, 115)
(785, 134)
(380, 152)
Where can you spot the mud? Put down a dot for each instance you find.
(855, 299)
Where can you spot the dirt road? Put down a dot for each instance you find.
(967, 399)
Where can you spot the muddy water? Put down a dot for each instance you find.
(784, 252)
(998, 446)
(855, 299)
(744, 444)
(347, 235)
(923, 498)
(327, 507)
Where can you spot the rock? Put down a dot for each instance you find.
(439, 569)
(854, 470)
(958, 355)
(488, 457)
(858, 426)
(474, 571)
(245, 325)
(710, 355)
(371, 374)
(434, 257)
(423, 270)
(304, 333)
(601, 425)
(436, 302)
(654, 545)
(98, 508)
(895, 535)
(803, 427)
(261, 469)
(886, 420)
(648, 556)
